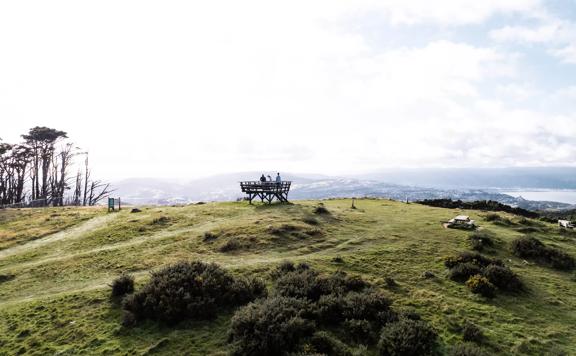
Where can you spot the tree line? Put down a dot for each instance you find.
(37, 172)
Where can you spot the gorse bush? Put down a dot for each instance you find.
(472, 257)
(321, 210)
(481, 285)
(503, 278)
(122, 285)
(287, 266)
(305, 301)
(462, 271)
(309, 284)
(482, 274)
(471, 332)
(479, 240)
(531, 248)
(407, 338)
(190, 290)
(326, 344)
(273, 326)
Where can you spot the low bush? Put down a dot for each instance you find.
(466, 349)
(359, 330)
(288, 266)
(503, 278)
(231, 245)
(309, 284)
(189, 290)
(326, 344)
(321, 210)
(371, 305)
(6, 277)
(272, 326)
(407, 338)
(122, 285)
(209, 236)
(481, 285)
(472, 257)
(471, 332)
(463, 271)
(492, 217)
(481, 239)
(531, 248)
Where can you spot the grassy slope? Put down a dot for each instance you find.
(58, 301)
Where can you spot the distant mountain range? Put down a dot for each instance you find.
(463, 184)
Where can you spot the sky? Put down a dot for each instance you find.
(186, 89)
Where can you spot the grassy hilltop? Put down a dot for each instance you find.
(56, 266)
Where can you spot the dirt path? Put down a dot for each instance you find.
(70, 233)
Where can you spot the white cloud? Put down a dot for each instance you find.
(567, 54)
(191, 88)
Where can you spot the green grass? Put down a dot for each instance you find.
(58, 301)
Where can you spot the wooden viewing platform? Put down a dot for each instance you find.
(266, 190)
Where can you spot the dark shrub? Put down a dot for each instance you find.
(122, 285)
(359, 330)
(209, 236)
(307, 283)
(6, 277)
(528, 247)
(298, 284)
(272, 326)
(472, 257)
(531, 248)
(471, 332)
(330, 309)
(369, 305)
(326, 344)
(481, 285)
(128, 319)
(503, 278)
(338, 259)
(466, 349)
(230, 245)
(480, 240)
(407, 338)
(390, 282)
(288, 266)
(462, 271)
(321, 210)
(188, 290)
(245, 290)
(486, 205)
(492, 217)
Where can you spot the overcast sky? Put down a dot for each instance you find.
(192, 88)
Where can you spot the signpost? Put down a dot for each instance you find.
(112, 204)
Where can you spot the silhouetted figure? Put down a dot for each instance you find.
(278, 179)
(262, 179)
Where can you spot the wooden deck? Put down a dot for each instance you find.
(266, 191)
